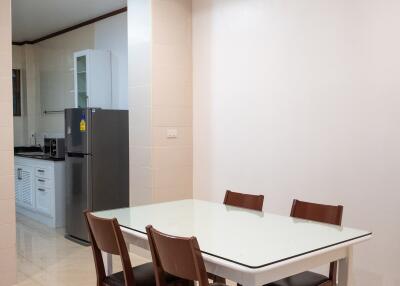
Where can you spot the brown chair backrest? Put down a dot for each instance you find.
(247, 201)
(320, 213)
(106, 236)
(179, 256)
(317, 212)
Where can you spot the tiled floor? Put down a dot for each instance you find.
(45, 257)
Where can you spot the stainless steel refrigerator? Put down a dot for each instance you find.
(97, 165)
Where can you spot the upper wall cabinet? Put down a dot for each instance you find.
(92, 79)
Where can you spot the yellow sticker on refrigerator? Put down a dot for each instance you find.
(82, 125)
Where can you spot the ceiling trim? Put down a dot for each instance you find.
(69, 29)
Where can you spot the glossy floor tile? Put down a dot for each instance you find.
(45, 257)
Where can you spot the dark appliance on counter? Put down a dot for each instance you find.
(97, 165)
(54, 147)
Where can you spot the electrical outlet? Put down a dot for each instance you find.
(172, 133)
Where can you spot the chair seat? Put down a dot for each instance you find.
(144, 276)
(307, 278)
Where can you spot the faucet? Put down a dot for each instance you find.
(34, 138)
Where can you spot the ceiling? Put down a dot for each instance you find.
(33, 19)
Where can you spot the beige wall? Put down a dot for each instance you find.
(7, 202)
(160, 98)
(171, 99)
(300, 99)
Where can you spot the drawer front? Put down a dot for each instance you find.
(43, 201)
(42, 172)
(43, 183)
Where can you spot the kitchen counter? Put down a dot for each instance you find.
(33, 152)
(38, 156)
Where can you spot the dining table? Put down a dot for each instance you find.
(249, 247)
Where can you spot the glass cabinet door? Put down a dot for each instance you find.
(82, 92)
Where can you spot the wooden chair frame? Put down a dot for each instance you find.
(114, 244)
(195, 273)
(322, 213)
(248, 201)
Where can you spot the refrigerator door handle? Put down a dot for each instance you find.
(89, 176)
(76, 155)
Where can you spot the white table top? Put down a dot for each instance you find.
(249, 238)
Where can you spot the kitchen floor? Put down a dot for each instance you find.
(45, 257)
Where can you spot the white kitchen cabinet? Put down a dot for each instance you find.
(24, 186)
(43, 200)
(40, 190)
(92, 79)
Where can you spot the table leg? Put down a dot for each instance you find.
(346, 269)
(107, 260)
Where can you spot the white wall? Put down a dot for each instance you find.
(300, 99)
(55, 63)
(111, 34)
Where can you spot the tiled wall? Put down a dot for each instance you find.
(139, 90)
(32, 93)
(47, 82)
(7, 202)
(160, 98)
(171, 99)
(53, 61)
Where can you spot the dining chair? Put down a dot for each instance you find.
(106, 236)
(179, 256)
(247, 201)
(320, 213)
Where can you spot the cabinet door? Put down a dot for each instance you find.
(81, 81)
(92, 79)
(43, 200)
(25, 181)
(18, 185)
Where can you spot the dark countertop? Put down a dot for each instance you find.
(39, 157)
(19, 149)
(33, 152)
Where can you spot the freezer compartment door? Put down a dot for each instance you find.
(78, 130)
(79, 194)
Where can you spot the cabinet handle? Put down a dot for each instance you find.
(40, 171)
(19, 174)
(42, 190)
(41, 180)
